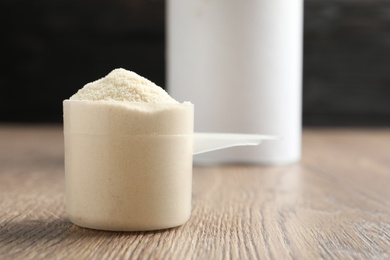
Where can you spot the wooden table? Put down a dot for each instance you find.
(334, 204)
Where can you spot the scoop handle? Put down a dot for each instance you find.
(207, 142)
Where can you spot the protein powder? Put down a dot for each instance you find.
(128, 155)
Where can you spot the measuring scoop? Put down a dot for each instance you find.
(128, 167)
(207, 142)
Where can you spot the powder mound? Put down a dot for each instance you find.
(123, 85)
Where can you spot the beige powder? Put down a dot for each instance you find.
(126, 86)
(128, 155)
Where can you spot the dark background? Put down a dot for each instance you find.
(50, 49)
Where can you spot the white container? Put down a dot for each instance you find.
(128, 167)
(240, 64)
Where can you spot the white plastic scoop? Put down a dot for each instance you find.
(207, 142)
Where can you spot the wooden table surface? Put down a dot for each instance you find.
(334, 204)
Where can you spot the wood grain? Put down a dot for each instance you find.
(334, 204)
